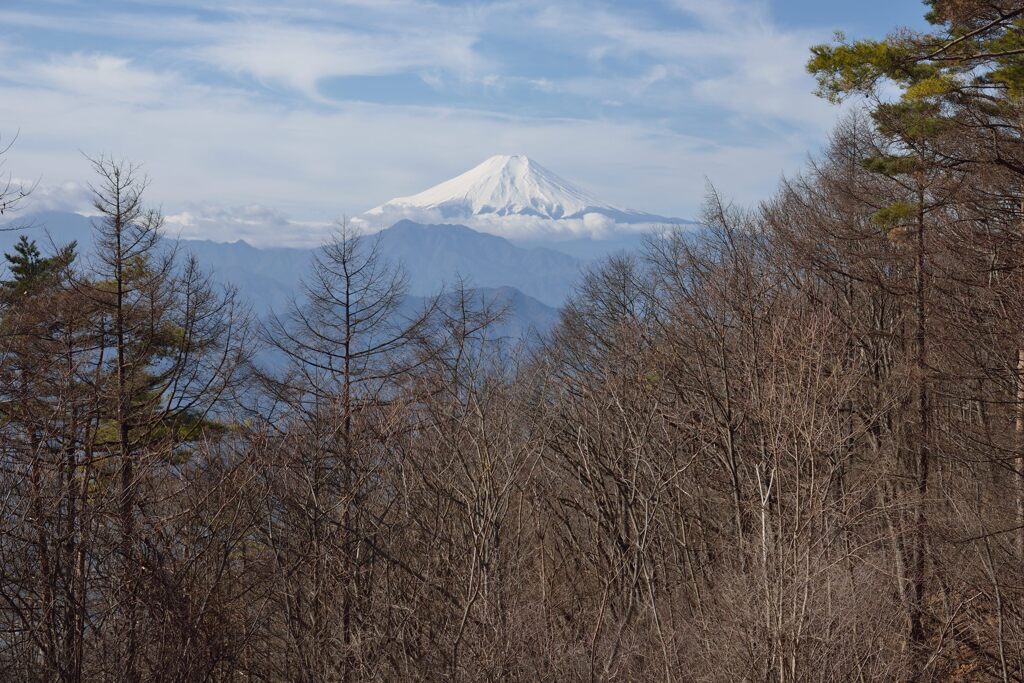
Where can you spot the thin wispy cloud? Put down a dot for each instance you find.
(301, 58)
(102, 76)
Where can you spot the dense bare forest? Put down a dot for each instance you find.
(787, 447)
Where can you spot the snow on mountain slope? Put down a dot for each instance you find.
(503, 185)
(513, 196)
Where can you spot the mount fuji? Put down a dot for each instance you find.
(514, 196)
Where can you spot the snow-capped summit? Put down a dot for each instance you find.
(512, 195)
(504, 185)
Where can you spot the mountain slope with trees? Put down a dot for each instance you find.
(789, 448)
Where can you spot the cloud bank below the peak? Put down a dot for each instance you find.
(516, 227)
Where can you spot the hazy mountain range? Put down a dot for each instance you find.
(530, 273)
(531, 281)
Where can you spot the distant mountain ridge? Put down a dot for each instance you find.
(531, 282)
(431, 254)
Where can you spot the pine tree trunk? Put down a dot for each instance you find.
(124, 452)
(1019, 432)
(918, 588)
(1019, 464)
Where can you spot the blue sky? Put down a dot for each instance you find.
(264, 119)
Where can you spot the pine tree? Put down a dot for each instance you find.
(29, 267)
(959, 115)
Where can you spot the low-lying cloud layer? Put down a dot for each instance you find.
(515, 227)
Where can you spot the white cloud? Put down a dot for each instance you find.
(734, 58)
(102, 76)
(254, 223)
(301, 58)
(69, 195)
(593, 225)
